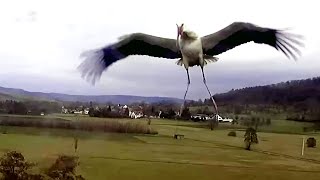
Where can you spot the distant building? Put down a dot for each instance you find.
(64, 110)
(136, 112)
(86, 111)
(160, 112)
(78, 112)
(221, 119)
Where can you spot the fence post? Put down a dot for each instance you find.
(302, 148)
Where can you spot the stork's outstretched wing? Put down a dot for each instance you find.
(97, 61)
(239, 33)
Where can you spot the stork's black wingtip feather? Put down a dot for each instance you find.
(92, 66)
(296, 38)
(288, 43)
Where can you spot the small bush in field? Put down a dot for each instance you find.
(13, 166)
(250, 137)
(311, 142)
(64, 168)
(232, 133)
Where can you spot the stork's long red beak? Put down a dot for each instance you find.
(178, 31)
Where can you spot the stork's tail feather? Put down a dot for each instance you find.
(208, 59)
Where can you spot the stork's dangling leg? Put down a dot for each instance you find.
(185, 94)
(211, 97)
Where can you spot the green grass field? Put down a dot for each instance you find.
(202, 154)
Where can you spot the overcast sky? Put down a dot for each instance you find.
(40, 44)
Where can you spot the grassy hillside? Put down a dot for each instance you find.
(4, 97)
(19, 97)
(202, 154)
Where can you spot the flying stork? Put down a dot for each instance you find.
(190, 49)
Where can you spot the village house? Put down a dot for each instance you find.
(136, 112)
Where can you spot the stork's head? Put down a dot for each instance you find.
(180, 30)
(184, 33)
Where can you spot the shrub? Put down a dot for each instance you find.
(232, 133)
(213, 123)
(64, 168)
(13, 166)
(250, 137)
(311, 142)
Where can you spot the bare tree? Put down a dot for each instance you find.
(250, 137)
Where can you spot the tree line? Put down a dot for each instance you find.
(106, 112)
(167, 111)
(29, 107)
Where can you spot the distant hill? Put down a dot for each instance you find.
(20, 94)
(4, 97)
(285, 93)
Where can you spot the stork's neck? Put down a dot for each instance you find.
(189, 35)
(185, 39)
(188, 43)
